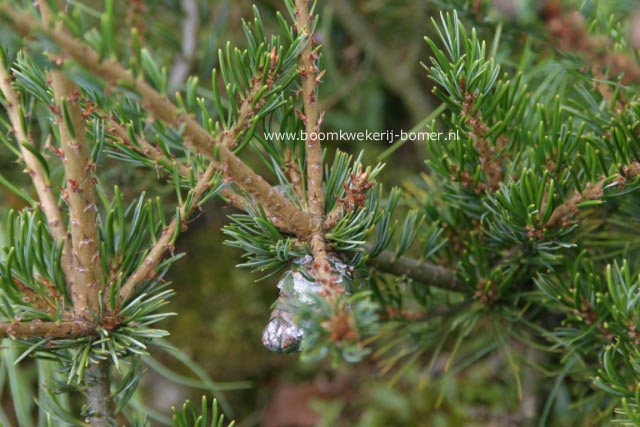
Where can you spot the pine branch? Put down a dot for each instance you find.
(287, 216)
(36, 328)
(355, 187)
(85, 243)
(249, 108)
(311, 116)
(80, 193)
(48, 203)
(165, 242)
(424, 272)
(144, 147)
(312, 121)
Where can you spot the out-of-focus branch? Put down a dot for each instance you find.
(401, 80)
(571, 33)
(189, 42)
(425, 272)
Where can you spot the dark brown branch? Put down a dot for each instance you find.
(424, 272)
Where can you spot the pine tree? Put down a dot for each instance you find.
(521, 232)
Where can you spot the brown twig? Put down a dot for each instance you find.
(85, 243)
(333, 217)
(248, 107)
(311, 115)
(312, 121)
(355, 188)
(284, 214)
(569, 208)
(79, 192)
(144, 147)
(48, 202)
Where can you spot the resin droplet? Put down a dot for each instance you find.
(283, 334)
